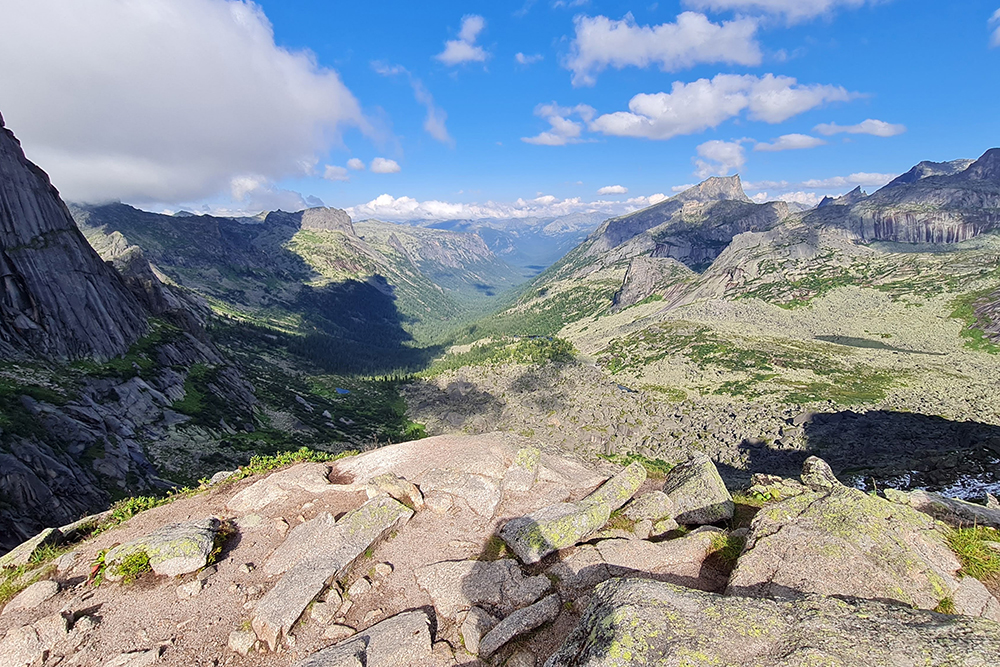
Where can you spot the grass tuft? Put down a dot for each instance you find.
(978, 559)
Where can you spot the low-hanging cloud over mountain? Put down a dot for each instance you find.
(164, 100)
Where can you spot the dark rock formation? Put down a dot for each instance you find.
(58, 298)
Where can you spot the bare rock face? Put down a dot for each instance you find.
(640, 622)
(58, 297)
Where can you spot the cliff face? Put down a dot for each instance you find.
(58, 298)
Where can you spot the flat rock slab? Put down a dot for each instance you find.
(698, 492)
(278, 486)
(331, 551)
(22, 553)
(303, 541)
(480, 492)
(499, 585)
(173, 549)
(534, 536)
(680, 561)
(641, 622)
(520, 622)
(32, 596)
(845, 542)
(523, 471)
(404, 639)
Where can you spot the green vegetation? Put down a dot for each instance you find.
(745, 509)
(945, 606)
(529, 350)
(964, 309)
(978, 559)
(261, 464)
(132, 566)
(655, 468)
(16, 579)
(726, 549)
(139, 358)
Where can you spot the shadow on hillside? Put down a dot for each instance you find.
(886, 448)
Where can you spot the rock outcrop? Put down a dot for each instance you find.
(59, 299)
(634, 621)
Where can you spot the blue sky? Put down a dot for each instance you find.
(462, 125)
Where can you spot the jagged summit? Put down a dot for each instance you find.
(927, 169)
(716, 188)
(853, 197)
(58, 297)
(986, 168)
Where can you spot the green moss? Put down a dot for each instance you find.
(132, 566)
(655, 468)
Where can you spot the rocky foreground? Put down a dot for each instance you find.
(485, 550)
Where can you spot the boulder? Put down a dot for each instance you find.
(396, 487)
(481, 493)
(955, 512)
(32, 596)
(654, 506)
(173, 549)
(817, 474)
(499, 585)
(325, 561)
(477, 623)
(520, 622)
(698, 492)
(562, 525)
(641, 622)
(278, 486)
(404, 639)
(845, 542)
(301, 542)
(21, 554)
(521, 474)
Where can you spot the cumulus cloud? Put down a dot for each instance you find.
(790, 142)
(381, 165)
(613, 190)
(718, 158)
(601, 42)
(563, 130)
(878, 128)
(792, 10)
(994, 25)
(253, 194)
(334, 173)
(403, 209)
(164, 100)
(355, 164)
(694, 107)
(464, 49)
(434, 123)
(528, 60)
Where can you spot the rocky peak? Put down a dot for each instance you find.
(318, 219)
(927, 169)
(853, 197)
(986, 168)
(716, 188)
(58, 297)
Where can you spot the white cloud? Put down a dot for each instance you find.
(878, 128)
(790, 142)
(807, 198)
(613, 190)
(601, 42)
(401, 209)
(355, 164)
(381, 165)
(171, 99)
(563, 130)
(694, 107)
(333, 173)
(528, 60)
(464, 49)
(682, 188)
(792, 10)
(255, 193)
(434, 123)
(718, 158)
(860, 178)
(994, 24)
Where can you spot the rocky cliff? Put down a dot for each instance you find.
(59, 298)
